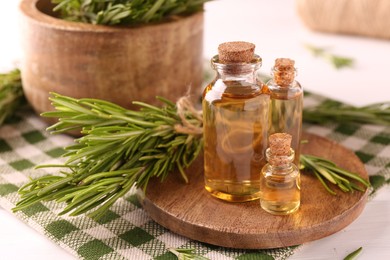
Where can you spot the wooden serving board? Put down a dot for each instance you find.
(191, 211)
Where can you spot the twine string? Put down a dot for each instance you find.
(191, 118)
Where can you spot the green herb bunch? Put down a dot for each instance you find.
(11, 94)
(119, 148)
(326, 170)
(125, 12)
(333, 111)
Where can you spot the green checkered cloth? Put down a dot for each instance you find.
(126, 231)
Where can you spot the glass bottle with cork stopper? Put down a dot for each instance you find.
(280, 177)
(286, 103)
(235, 122)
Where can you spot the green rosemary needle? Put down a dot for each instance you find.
(119, 148)
(186, 254)
(11, 94)
(354, 254)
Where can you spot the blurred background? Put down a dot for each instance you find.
(278, 31)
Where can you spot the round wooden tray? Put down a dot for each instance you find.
(191, 211)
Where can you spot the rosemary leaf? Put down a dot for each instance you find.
(354, 254)
(11, 94)
(323, 182)
(186, 254)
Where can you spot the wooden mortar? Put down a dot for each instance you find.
(119, 64)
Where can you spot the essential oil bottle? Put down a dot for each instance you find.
(280, 177)
(286, 103)
(235, 121)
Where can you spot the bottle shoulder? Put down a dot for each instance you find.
(289, 171)
(294, 90)
(294, 86)
(219, 88)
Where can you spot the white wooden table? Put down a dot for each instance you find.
(277, 31)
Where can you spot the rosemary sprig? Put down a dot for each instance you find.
(337, 61)
(11, 94)
(326, 170)
(333, 111)
(120, 148)
(186, 254)
(124, 11)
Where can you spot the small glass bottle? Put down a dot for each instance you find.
(280, 177)
(235, 123)
(286, 103)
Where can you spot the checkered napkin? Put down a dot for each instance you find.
(126, 231)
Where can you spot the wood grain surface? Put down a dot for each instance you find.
(191, 211)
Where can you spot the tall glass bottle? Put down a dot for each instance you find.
(280, 178)
(235, 118)
(286, 103)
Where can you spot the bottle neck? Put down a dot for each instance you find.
(280, 161)
(246, 72)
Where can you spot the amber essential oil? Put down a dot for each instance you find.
(280, 177)
(234, 133)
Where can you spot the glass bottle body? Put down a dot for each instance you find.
(280, 187)
(286, 112)
(235, 113)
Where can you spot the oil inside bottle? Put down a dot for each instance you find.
(235, 134)
(280, 193)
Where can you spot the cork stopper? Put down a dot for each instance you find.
(236, 52)
(284, 71)
(280, 144)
